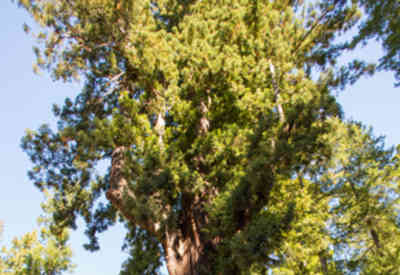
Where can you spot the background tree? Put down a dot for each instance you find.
(226, 150)
(383, 24)
(39, 252)
(380, 21)
(352, 227)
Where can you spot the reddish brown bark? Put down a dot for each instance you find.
(185, 251)
(118, 184)
(119, 190)
(182, 255)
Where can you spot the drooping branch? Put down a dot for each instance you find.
(119, 193)
(374, 235)
(372, 231)
(317, 23)
(118, 184)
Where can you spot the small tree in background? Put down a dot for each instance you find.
(39, 252)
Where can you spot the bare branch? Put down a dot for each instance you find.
(277, 91)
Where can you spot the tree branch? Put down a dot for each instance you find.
(119, 191)
(277, 91)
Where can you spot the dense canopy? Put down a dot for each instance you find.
(211, 130)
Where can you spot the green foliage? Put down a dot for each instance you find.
(217, 124)
(354, 226)
(382, 23)
(37, 253)
(145, 254)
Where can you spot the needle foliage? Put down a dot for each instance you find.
(225, 149)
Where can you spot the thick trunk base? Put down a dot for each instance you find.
(186, 256)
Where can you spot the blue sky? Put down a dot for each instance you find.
(26, 103)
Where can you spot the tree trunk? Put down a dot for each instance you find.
(186, 257)
(183, 256)
(186, 252)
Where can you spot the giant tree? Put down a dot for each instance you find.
(216, 122)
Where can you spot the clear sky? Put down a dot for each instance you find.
(26, 101)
